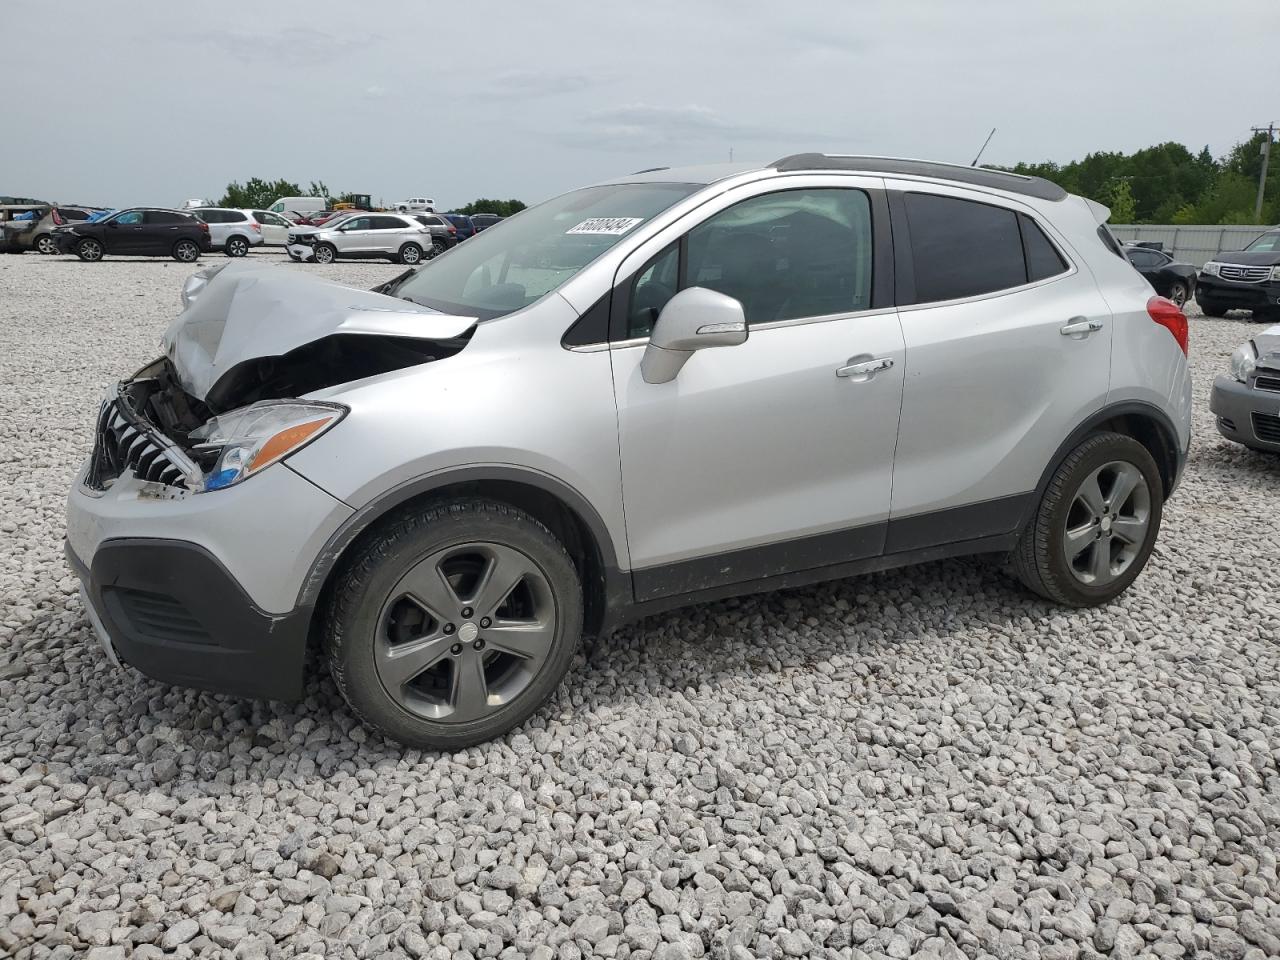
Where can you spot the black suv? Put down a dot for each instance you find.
(137, 232)
(1247, 279)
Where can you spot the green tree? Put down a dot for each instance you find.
(258, 193)
(503, 208)
(1121, 201)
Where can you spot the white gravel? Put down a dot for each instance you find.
(920, 763)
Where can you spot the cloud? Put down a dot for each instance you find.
(299, 45)
(374, 92)
(640, 125)
(533, 83)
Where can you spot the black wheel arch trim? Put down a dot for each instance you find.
(617, 582)
(1174, 457)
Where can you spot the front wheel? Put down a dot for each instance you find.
(186, 251)
(1210, 308)
(454, 623)
(1096, 524)
(89, 250)
(1178, 292)
(237, 247)
(325, 253)
(410, 254)
(46, 244)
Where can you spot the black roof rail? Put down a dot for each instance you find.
(978, 176)
(636, 173)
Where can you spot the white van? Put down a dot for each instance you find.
(299, 205)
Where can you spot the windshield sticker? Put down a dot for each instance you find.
(606, 226)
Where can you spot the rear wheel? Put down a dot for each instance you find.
(89, 250)
(186, 251)
(410, 254)
(454, 623)
(439, 247)
(46, 244)
(237, 247)
(325, 253)
(1178, 292)
(1096, 524)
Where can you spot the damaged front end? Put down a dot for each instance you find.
(228, 399)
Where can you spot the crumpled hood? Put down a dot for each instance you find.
(1267, 343)
(244, 312)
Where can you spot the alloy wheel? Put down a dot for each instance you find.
(324, 255)
(90, 250)
(186, 252)
(465, 631)
(47, 245)
(237, 247)
(1178, 293)
(1107, 523)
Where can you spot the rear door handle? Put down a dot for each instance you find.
(1079, 327)
(865, 369)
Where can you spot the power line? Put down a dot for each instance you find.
(1269, 130)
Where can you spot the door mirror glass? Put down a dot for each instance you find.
(691, 320)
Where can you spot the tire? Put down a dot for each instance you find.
(325, 253)
(439, 246)
(46, 245)
(1211, 308)
(89, 250)
(236, 247)
(410, 254)
(1267, 315)
(402, 209)
(186, 251)
(445, 554)
(1086, 568)
(1179, 292)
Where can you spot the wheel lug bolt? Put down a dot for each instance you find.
(466, 613)
(449, 628)
(485, 621)
(456, 649)
(479, 644)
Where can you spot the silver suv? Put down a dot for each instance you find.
(391, 236)
(674, 387)
(231, 231)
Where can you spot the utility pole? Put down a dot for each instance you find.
(1269, 130)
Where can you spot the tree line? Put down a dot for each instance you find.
(1168, 183)
(256, 193)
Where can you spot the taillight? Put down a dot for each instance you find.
(452, 228)
(203, 226)
(257, 227)
(1170, 316)
(57, 218)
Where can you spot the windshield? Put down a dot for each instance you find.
(525, 257)
(1267, 243)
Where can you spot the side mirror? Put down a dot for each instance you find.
(693, 319)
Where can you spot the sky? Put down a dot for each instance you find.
(156, 101)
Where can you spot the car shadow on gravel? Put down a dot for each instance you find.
(146, 735)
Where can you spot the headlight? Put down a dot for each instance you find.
(1243, 359)
(1211, 268)
(1275, 273)
(197, 282)
(254, 437)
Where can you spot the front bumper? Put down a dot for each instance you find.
(203, 589)
(1246, 415)
(1237, 295)
(301, 251)
(170, 609)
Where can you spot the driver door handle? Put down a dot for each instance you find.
(865, 369)
(1080, 327)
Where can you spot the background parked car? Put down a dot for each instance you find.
(1247, 279)
(1245, 402)
(137, 232)
(483, 221)
(303, 205)
(275, 227)
(463, 224)
(364, 236)
(443, 233)
(231, 231)
(415, 205)
(31, 228)
(1171, 278)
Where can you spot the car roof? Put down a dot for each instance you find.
(818, 162)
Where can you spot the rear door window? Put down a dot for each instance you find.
(166, 217)
(962, 248)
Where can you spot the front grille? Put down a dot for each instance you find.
(1244, 274)
(119, 445)
(155, 617)
(306, 238)
(1266, 427)
(1267, 383)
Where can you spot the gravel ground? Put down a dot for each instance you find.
(918, 763)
